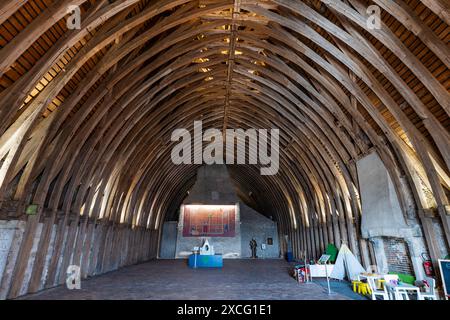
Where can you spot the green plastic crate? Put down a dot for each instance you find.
(405, 278)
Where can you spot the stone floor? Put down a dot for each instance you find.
(173, 279)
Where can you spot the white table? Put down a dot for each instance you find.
(395, 290)
(374, 276)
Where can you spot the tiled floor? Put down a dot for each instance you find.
(173, 279)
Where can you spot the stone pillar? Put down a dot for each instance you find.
(380, 254)
(416, 248)
(11, 233)
(31, 259)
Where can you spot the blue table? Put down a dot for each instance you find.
(205, 261)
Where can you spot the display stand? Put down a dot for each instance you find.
(324, 260)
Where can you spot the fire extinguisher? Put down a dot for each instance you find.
(427, 265)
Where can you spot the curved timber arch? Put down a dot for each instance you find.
(86, 117)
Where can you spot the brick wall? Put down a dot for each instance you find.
(397, 255)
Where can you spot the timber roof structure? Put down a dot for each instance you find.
(86, 114)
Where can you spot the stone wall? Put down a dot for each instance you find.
(229, 247)
(252, 225)
(95, 248)
(213, 186)
(11, 233)
(397, 237)
(381, 212)
(255, 225)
